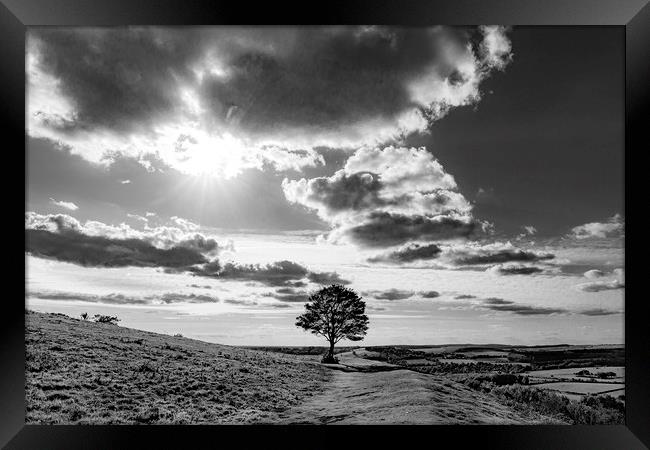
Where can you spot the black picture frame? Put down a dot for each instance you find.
(633, 15)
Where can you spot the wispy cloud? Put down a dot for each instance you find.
(598, 286)
(124, 299)
(66, 205)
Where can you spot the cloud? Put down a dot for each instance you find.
(499, 304)
(497, 252)
(279, 273)
(464, 297)
(381, 229)
(326, 278)
(390, 294)
(385, 197)
(408, 253)
(273, 274)
(99, 251)
(430, 294)
(123, 299)
(137, 217)
(234, 301)
(289, 295)
(599, 312)
(236, 97)
(514, 269)
(67, 205)
(597, 286)
(528, 230)
(374, 308)
(125, 181)
(163, 236)
(594, 273)
(171, 297)
(613, 227)
(94, 243)
(620, 274)
(461, 255)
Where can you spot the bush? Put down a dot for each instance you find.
(329, 359)
(84, 316)
(106, 319)
(590, 410)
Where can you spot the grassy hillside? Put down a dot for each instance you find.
(86, 372)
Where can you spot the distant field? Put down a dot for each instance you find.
(488, 360)
(571, 372)
(581, 388)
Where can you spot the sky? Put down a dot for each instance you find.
(466, 182)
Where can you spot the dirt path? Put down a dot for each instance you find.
(398, 396)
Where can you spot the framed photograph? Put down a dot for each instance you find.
(265, 220)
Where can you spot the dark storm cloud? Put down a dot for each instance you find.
(277, 92)
(499, 304)
(409, 253)
(262, 80)
(382, 229)
(99, 251)
(464, 297)
(120, 78)
(332, 77)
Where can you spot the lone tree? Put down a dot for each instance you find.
(335, 312)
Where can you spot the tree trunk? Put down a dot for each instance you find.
(330, 353)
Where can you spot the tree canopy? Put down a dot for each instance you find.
(335, 312)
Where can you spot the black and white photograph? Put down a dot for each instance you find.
(325, 225)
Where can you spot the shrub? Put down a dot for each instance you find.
(106, 319)
(84, 316)
(590, 410)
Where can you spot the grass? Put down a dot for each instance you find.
(81, 372)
